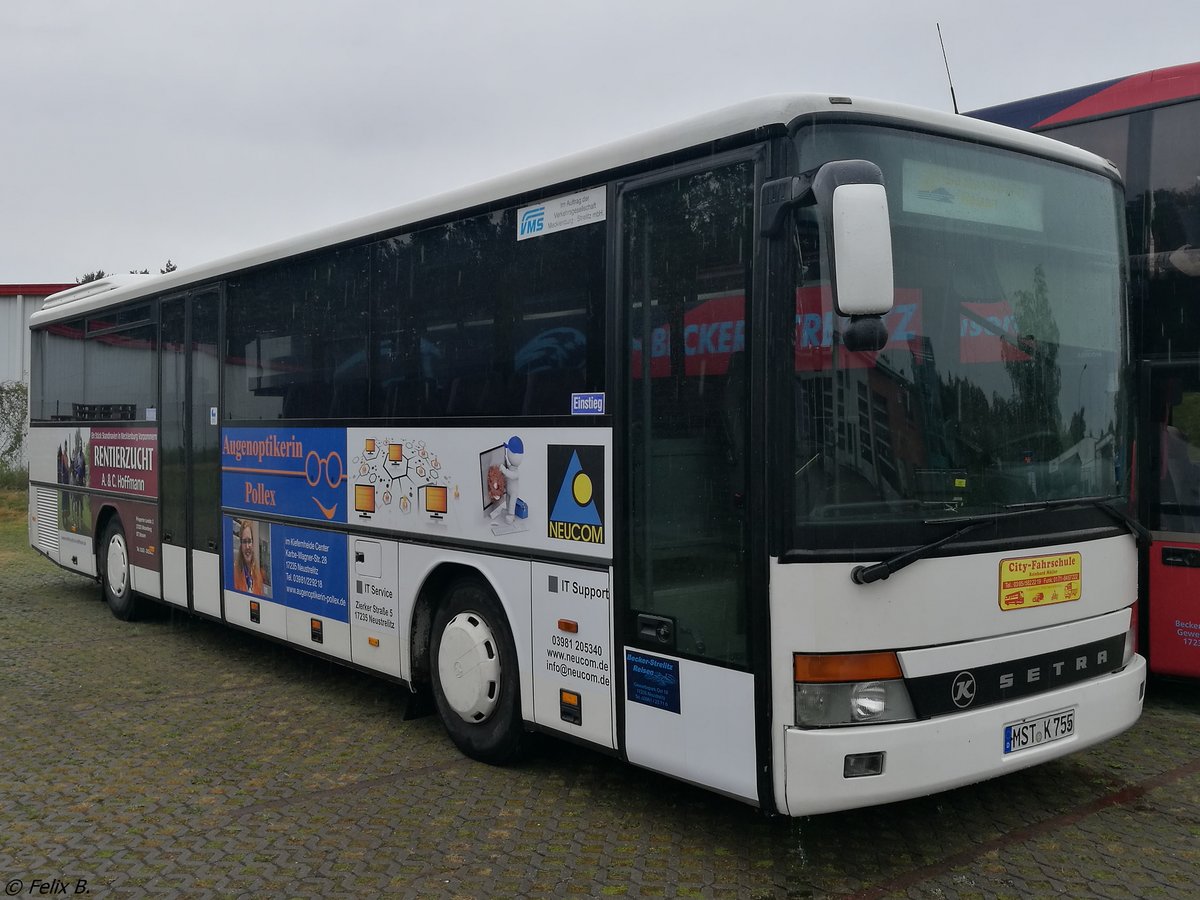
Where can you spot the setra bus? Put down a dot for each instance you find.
(1148, 126)
(783, 451)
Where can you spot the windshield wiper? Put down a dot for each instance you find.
(1102, 503)
(881, 570)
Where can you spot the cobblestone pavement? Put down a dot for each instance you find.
(177, 756)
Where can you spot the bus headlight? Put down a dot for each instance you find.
(850, 689)
(854, 703)
(868, 700)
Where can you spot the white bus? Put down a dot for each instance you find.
(625, 448)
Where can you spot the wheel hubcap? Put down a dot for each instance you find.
(469, 667)
(117, 566)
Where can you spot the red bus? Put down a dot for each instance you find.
(1149, 126)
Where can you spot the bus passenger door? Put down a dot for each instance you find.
(1170, 482)
(685, 271)
(190, 483)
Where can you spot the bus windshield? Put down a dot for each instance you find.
(1003, 380)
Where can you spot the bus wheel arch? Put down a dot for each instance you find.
(429, 597)
(472, 665)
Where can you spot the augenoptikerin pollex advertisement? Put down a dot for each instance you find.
(536, 488)
(295, 472)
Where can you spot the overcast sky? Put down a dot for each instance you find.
(135, 131)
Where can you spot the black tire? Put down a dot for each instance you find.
(112, 560)
(477, 686)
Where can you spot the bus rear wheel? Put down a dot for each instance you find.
(115, 583)
(476, 685)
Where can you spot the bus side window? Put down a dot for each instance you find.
(296, 339)
(469, 322)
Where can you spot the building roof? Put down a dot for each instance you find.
(32, 290)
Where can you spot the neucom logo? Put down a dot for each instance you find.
(575, 482)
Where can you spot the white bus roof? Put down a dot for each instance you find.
(739, 119)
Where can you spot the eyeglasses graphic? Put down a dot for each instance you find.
(335, 470)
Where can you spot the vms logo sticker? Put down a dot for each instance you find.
(533, 221)
(575, 479)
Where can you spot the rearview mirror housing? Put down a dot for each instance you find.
(851, 201)
(861, 255)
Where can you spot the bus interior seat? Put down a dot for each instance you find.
(548, 391)
(306, 400)
(480, 395)
(412, 397)
(464, 395)
(349, 399)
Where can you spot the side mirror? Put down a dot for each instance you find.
(852, 203)
(861, 255)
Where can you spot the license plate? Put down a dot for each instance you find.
(1040, 730)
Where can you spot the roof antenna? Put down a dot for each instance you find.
(953, 101)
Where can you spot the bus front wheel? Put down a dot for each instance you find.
(113, 560)
(476, 685)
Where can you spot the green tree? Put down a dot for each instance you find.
(91, 276)
(14, 408)
(1036, 378)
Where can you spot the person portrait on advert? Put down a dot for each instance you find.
(247, 570)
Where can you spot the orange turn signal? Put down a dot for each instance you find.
(569, 626)
(824, 668)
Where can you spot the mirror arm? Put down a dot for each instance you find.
(779, 198)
